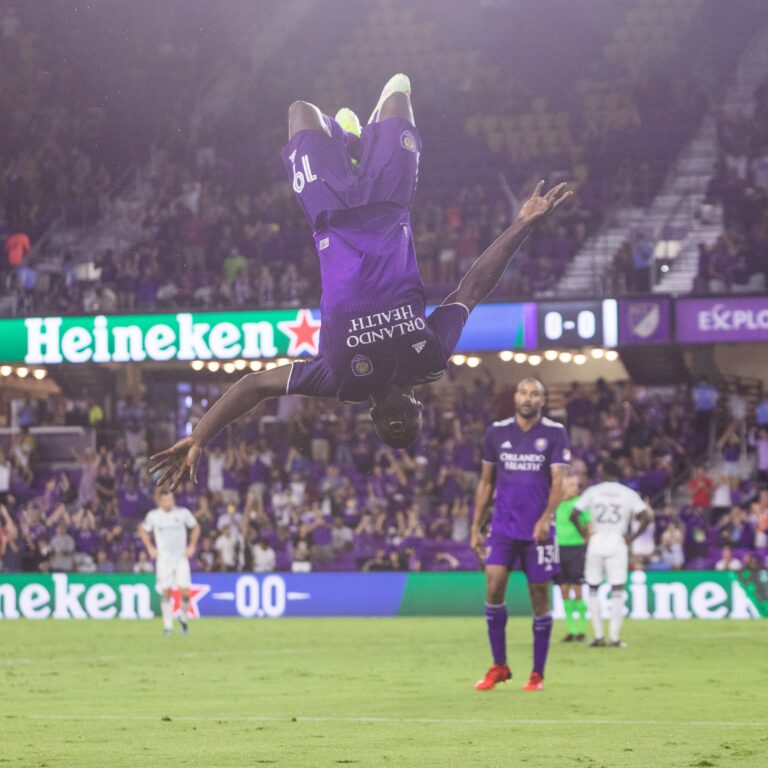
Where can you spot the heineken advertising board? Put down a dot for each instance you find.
(652, 595)
(190, 336)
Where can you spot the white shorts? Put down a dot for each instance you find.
(173, 573)
(607, 556)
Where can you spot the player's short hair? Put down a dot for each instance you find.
(397, 419)
(539, 382)
(611, 469)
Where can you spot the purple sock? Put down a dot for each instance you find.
(496, 616)
(542, 631)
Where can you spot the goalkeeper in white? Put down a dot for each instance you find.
(170, 524)
(612, 508)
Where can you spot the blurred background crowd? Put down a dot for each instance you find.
(306, 485)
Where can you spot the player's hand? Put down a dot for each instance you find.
(152, 553)
(191, 551)
(541, 529)
(175, 462)
(477, 542)
(539, 206)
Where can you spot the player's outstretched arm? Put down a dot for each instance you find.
(483, 276)
(183, 457)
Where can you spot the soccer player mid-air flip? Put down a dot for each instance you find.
(356, 187)
(525, 459)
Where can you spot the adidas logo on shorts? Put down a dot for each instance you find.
(418, 346)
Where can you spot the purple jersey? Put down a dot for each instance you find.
(523, 472)
(374, 329)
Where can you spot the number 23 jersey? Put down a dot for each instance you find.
(611, 507)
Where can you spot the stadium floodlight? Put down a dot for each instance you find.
(458, 359)
(22, 372)
(197, 365)
(270, 365)
(473, 362)
(598, 353)
(229, 367)
(550, 355)
(240, 365)
(256, 365)
(283, 361)
(565, 357)
(5, 370)
(506, 355)
(520, 357)
(611, 355)
(39, 373)
(579, 359)
(534, 360)
(213, 366)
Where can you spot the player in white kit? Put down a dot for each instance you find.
(612, 508)
(169, 524)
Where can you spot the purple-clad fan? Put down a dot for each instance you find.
(356, 188)
(524, 461)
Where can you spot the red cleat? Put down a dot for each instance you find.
(536, 683)
(498, 673)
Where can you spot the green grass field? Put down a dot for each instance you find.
(371, 692)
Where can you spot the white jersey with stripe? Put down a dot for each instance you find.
(611, 507)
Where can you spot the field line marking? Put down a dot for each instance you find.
(390, 720)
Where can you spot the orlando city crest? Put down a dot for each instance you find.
(361, 365)
(541, 444)
(408, 141)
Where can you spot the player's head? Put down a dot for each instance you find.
(165, 500)
(530, 395)
(397, 418)
(571, 485)
(611, 471)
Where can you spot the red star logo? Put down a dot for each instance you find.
(196, 593)
(303, 333)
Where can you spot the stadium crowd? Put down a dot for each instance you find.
(213, 224)
(309, 487)
(736, 262)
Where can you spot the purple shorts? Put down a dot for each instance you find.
(325, 180)
(540, 562)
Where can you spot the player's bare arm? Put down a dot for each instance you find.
(147, 539)
(483, 497)
(194, 537)
(183, 457)
(484, 275)
(544, 523)
(583, 528)
(645, 518)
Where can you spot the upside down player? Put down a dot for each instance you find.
(356, 188)
(525, 459)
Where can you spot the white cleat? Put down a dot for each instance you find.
(398, 83)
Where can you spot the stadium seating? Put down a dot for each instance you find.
(314, 483)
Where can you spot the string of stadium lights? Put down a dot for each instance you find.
(471, 361)
(22, 372)
(508, 356)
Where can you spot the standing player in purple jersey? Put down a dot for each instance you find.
(376, 342)
(525, 459)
